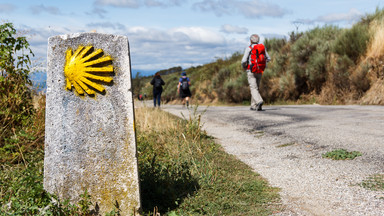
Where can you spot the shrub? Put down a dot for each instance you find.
(310, 54)
(274, 44)
(353, 42)
(360, 80)
(15, 95)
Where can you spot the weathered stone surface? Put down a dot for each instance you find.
(90, 141)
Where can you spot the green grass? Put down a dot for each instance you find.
(184, 172)
(286, 145)
(374, 182)
(341, 154)
(22, 192)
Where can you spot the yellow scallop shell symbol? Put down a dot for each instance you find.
(86, 66)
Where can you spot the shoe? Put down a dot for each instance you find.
(253, 109)
(260, 106)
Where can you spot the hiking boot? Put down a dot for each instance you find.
(260, 106)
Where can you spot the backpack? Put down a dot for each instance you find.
(157, 84)
(184, 84)
(257, 59)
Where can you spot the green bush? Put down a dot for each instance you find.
(274, 44)
(353, 42)
(310, 54)
(15, 95)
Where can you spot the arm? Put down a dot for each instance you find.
(152, 81)
(178, 87)
(244, 60)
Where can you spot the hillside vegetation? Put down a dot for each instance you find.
(326, 65)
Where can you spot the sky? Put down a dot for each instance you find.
(169, 33)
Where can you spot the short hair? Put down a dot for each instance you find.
(255, 38)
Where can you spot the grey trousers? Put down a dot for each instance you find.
(254, 83)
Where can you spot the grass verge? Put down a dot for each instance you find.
(184, 172)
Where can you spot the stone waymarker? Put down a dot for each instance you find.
(90, 140)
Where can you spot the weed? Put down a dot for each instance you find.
(341, 154)
(286, 145)
(374, 182)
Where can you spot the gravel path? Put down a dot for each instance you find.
(285, 143)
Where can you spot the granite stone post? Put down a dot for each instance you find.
(90, 140)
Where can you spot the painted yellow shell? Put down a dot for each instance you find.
(81, 70)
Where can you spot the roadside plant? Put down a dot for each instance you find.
(374, 182)
(15, 94)
(341, 154)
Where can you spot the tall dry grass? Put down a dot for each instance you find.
(152, 119)
(376, 48)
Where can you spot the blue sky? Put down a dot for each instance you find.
(168, 33)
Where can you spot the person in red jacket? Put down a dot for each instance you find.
(254, 61)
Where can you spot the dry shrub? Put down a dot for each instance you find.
(270, 89)
(337, 86)
(287, 87)
(376, 47)
(375, 95)
(360, 81)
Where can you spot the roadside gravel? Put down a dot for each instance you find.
(285, 143)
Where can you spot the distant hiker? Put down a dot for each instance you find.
(254, 61)
(157, 83)
(140, 97)
(183, 88)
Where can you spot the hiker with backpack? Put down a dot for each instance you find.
(183, 88)
(157, 83)
(254, 61)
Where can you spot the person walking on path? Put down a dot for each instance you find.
(254, 61)
(183, 88)
(157, 83)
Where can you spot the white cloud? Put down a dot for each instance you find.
(249, 9)
(139, 3)
(7, 8)
(352, 16)
(38, 9)
(151, 48)
(154, 49)
(233, 29)
(197, 35)
(98, 11)
(103, 25)
(258, 9)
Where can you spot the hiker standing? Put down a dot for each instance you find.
(183, 88)
(157, 83)
(254, 61)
